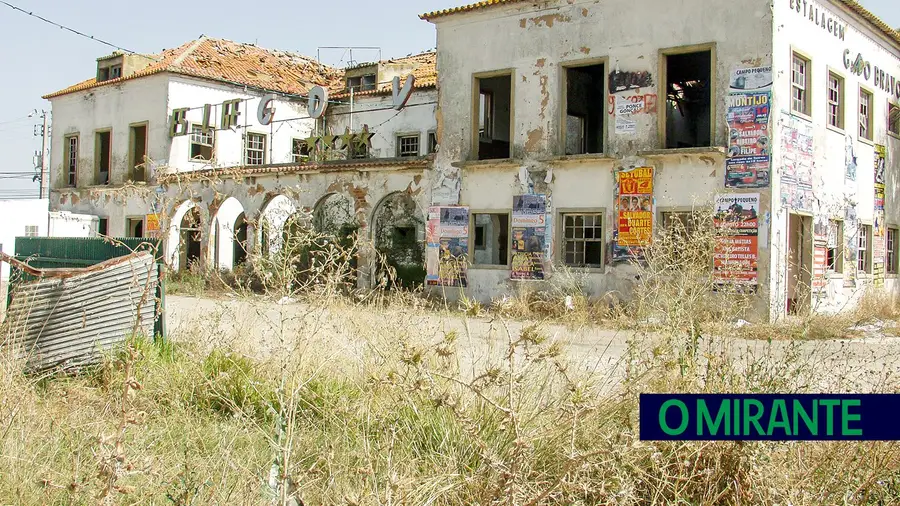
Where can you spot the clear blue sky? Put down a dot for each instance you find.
(38, 58)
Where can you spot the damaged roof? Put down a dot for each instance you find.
(234, 63)
(854, 6)
(425, 71)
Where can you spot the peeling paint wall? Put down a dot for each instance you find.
(538, 41)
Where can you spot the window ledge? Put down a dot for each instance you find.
(489, 267)
(682, 151)
(800, 115)
(892, 134)
(866, 141)
(587, 270)
(583, 158)
(485, 164)
(835, 129)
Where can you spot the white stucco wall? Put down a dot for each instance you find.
(385, 122)
(16, 215)
(797, 32)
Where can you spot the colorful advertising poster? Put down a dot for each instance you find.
(452, 265)
(634, 211)
(878, 231)
(152, 225)
(796, 177)
(447, 248)
(528, 253)
(752, 79)
(749, 146)
(820, 263)
(737, 230)
(529, 232)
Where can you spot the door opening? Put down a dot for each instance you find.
(799, 261)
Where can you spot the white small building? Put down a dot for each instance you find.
(19, 218)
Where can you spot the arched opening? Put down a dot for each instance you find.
(333, 215)
(227, 225)
(398, 231)
(272, 220)
(239, 244)
(190, 234)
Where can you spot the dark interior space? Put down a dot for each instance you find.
(103, 157)
(494, 108)
(688, 104)
(138, 151)
(585, 109)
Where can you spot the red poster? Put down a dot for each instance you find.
(736, 254)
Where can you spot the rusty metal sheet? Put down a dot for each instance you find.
(71, 318)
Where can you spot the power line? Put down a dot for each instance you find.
(76, 32)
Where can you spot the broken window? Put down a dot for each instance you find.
(115, 72)
(585, 109)
(72, 160)
(864, 262)
(891, 241)
(865, 114)
(432, 142)
(835, 100)
(103, 145)
(254, 149)
(202, 143)
(103, 74)
(583, 239)
(135, 227)
(799, 81)
(679, 223)
(893, 119)
(138, 142)
(299, 151)
(408, 145)
(103, 226)
(362, 83)
(688, 99)
(491, 238)
(493, 113)
(834, 260)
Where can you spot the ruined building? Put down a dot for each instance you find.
(568, 133)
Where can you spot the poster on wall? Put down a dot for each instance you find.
(878, 230)
(797, 163)
(529, 232)
(820, 264)
(634, 213)
(851, 238)
(748, 160)
(751, 79)
(736, 253)
(153, 225)
(447, 246)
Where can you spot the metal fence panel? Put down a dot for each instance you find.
(72, 321)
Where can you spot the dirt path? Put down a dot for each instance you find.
(345, 335)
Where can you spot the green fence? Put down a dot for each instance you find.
(76, 252)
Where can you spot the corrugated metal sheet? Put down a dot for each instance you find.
(71, 319)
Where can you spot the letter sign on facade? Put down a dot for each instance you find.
(401, 96)
(264, 113)
(317, 102)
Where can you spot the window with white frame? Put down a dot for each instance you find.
(31, 230)
(202, 143)
(254, 149)
(893, 119)
(408, 145)
(72, 160)
(583, 239)
(799, 81)
(892, 258)
(864, 262)
(865, 114)
(835, 100)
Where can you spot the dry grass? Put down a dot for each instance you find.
(410, 417)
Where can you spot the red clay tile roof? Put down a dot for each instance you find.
(854, 6)
(425, 72)
(232, 62)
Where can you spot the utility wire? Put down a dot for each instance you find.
(76, 32)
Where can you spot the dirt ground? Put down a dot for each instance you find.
(346, 335)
